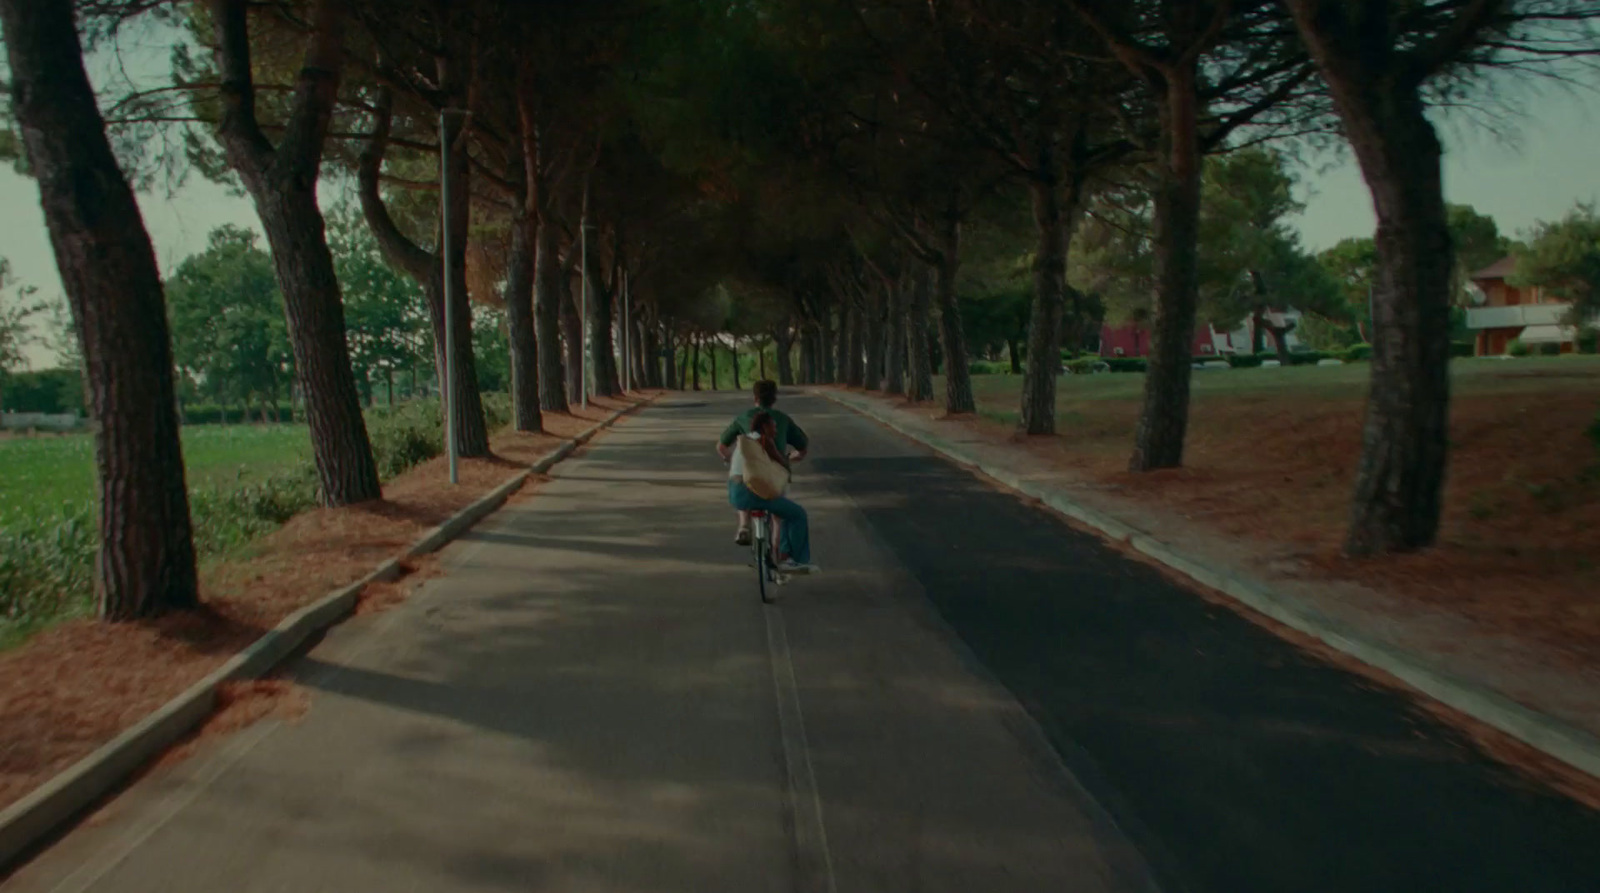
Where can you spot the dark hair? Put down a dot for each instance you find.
(762, 424)
(766, 391)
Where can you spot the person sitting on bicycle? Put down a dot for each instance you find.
(789, 436)
(792, 527)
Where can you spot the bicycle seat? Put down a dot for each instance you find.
(758, 513)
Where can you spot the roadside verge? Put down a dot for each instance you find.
(35, 816)
(1552, 736)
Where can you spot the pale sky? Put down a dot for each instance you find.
(1538, 175)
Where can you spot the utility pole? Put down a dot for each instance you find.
(448, 393)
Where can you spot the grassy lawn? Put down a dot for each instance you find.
(1077, 396)
(1271, 454)
(44, 474)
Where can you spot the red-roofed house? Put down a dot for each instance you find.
(1511, 314)
(1133, 340)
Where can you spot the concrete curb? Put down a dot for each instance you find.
(28, 821)
(1570, 745)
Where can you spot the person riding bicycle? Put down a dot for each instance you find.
(778, 434)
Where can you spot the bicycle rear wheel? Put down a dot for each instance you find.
(761, 543)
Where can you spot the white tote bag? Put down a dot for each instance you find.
(765, 478)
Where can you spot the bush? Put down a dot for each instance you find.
(1549, 350)
(1244, 360)
(1126, 364)
(1589, 341)
(1357, 353)
(46, 569)
(405, 435)
(1087, 365)
(1460, 349)
(1305, 357)
(1517, 349)
(988, 367)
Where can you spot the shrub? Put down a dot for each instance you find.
(1549, 349)
(1589, 341)
(1357, 353)
(1126, 364)
(1086, 365)
(405, 435)
(1517, 349)
(1244, 360)
(46, 568)
(988, 367)
(1462, 349)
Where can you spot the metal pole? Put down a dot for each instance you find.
(447, 395)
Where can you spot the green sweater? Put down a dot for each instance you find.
(789, 433)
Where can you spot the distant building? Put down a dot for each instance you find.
(1133, 340)
(1511, 314)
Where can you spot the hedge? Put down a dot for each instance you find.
(214, 414)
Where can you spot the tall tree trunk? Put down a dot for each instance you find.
(695, 363)
(1280, 334)
(735, 350)
(1400, 477)
(1049, 283)
(782, 347)
(653, 358)
(711, 351)
(282, 181)
(872, 378)
(1158, 441)
(602, 351)
(919, 361)
(572, 340)
(808, 357)
(841, 346)
(518, 297)
(549, 284)
(855, 367)
(146, 561)
(894, 353)
(957, 376)
(638, 350)
(519, 320)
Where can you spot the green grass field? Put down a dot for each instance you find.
(41, 476)
(997, 395)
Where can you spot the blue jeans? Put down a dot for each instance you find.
(794, 536)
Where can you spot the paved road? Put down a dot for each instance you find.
(593, 700)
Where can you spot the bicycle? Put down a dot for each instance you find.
(764, 552)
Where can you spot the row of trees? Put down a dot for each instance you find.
(820, 173)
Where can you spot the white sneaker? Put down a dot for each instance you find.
(798, 570)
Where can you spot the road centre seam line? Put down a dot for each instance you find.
(815, 862)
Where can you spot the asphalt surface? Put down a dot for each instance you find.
(971, 697)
